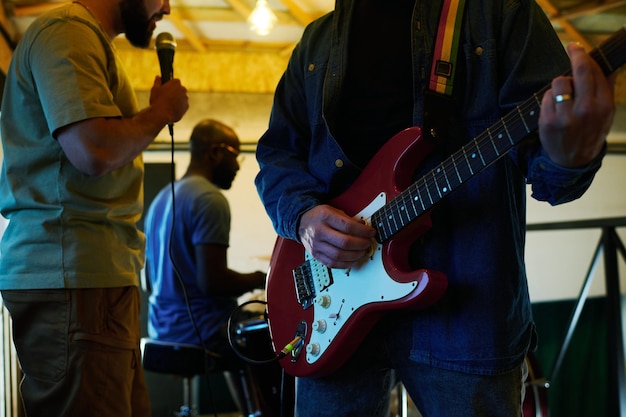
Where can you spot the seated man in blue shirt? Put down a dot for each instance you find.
(193, 291)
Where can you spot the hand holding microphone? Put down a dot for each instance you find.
(165, 48)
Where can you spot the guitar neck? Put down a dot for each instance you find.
(480, 152)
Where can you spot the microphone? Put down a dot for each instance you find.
(165, 47)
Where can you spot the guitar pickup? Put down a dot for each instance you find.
(310, 278)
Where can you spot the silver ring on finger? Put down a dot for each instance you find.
(560, 98)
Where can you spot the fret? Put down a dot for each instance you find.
(437, 186)
(404, 215)
(612, 54)
(468, 164)
(397, 216)
(519, 112)
(493, 143)
(392, 216)
(430, 197)
(476, 160)
(531, 119)
(501, 144)
(459, 163)
(488, 151)
(456, 168)
(450, 178)
(392, 220)
(418, 197)
(389, 219)
(380, 224)
(412, 198)
(506, 130)
(448, 186)
(389, 225)
(404, 205)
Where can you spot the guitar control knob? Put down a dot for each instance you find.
(319, 326)
(313, 349)
(323, 300)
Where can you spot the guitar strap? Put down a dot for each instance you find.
(438, 97)
(446, 47)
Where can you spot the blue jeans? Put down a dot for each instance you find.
(361, 388)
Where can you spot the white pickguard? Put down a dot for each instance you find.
(351, 289)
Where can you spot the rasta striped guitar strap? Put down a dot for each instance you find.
(438, 96)
(446, 47)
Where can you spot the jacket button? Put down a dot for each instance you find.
(479, 50)
(338, 163)
(311, 67)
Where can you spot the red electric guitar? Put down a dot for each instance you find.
(326, 313)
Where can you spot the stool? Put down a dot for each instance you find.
(189, 361)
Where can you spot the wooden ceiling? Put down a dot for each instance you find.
(217, 52)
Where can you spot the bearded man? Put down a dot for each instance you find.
(71, 187)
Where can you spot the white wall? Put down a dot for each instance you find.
(558, 261)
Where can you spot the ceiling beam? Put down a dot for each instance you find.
(303, 17)
(548, 8)
(588, 9)
(240, 7)
(564, 17)
(188, 34)
(574, 34)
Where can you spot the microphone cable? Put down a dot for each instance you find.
(283, 352)
(165, 48)
(229, 333)
(176, 270)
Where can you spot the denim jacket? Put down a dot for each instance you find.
(483, 324)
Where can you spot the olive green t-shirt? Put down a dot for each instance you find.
(66, 229)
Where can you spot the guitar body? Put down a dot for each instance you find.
(341, 306)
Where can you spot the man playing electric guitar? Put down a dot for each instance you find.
(356, 79)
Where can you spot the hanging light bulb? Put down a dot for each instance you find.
(262, 18)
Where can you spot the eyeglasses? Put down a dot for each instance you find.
(236, 153)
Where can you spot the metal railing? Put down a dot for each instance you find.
(609, 245)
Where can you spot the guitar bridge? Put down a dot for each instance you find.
(309, 278)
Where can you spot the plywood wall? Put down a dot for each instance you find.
(212, 71)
